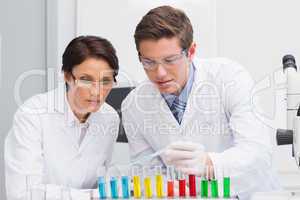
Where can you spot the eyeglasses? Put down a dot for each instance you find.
(88, 84)
(170, 61)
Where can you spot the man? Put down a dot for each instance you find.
(198, 110)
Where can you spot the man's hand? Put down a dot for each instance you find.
(189, 158)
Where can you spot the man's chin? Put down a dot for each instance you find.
(167, 90)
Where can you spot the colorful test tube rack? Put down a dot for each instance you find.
(208, 188)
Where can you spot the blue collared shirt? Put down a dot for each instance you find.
(184, 94)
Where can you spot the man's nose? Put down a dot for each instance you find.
(161, 71)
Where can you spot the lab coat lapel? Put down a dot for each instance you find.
(191, 107)
(157, 117)
(165, 112)
(86, 140)
(94, 130)
(61, 106)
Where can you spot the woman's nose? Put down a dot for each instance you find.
(95, 89)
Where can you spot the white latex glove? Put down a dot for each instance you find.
(187, 157)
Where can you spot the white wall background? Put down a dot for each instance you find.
(116, 21)
(22, 56)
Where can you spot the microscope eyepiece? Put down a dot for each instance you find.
(289, 61)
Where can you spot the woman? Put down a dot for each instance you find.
(61, 140)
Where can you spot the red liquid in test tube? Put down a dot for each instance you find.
(182, 187)
(170, 182)
(192, 185)
(170, 188)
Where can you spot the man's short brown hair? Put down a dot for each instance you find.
(164, 22)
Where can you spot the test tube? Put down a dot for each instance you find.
(101, 173)
(147, 182)
(137, 193)
(114, 174)
(125, 181)
(102, 187)
(170, 181)
(204, 184)
(159, 182)
(192, 185)
(214, 188)
(214, 184)
(226, 182)
(182, 184)
(125, 187)
(114, 187)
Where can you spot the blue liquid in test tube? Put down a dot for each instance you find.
(125, 187)
(101, 185)
(114, 188)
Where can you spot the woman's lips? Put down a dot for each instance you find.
(94, 102)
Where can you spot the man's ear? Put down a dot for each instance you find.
(192, 51)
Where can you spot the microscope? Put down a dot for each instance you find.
(291, 135)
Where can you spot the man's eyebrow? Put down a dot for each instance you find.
(165, 57)
(171, 56)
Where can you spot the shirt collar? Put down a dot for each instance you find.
(184, 94)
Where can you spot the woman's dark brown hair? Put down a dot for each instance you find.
(84, 47)
(165, 22)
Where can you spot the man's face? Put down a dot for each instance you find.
(166, 64)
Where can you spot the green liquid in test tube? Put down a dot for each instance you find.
(214, 182)
(214, 188)
(204, 182)
(226, 182)
(204, 188)
(226, 187)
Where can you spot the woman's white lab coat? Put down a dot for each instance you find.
(219, 115)
(43, 144)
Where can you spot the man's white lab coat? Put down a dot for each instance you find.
(219, 115)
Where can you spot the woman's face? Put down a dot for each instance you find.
(89, 84)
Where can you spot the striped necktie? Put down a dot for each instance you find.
(178, 108)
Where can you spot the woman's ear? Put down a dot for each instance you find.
(192, 51)
(68, 78)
